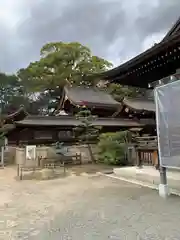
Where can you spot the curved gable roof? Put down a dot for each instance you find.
(140, 104)
(18, 115)
(90, 97)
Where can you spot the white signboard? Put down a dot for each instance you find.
(30, 152)
(167, 98)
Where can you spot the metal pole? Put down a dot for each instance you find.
(163, 176)
(163, 186)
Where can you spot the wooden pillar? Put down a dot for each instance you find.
(155, 159)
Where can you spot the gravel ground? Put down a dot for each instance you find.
(86, 208)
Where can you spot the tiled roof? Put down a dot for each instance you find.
(140, 104)
(72, 121)
(17, 115)
(90, 97)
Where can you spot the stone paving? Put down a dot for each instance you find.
(86, 207)
(149, 176)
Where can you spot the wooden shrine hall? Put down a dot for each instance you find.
(130, 114)
(50, 129)
(158, 62)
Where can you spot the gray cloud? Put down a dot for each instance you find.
(151, 20)
(112, 29)
(159, 18)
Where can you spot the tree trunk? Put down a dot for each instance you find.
(91, 153)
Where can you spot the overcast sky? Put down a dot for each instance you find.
(114, 29)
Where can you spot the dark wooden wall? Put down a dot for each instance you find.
(48, 135)
(39, 135)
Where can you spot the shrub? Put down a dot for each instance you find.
(112, 148)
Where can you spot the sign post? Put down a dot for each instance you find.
(167, 99)
(163, 187)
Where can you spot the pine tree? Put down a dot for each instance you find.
(86, 132)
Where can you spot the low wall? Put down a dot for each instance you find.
(20, 157)
(50, 153)
(17, 155)
(83, 149)
(9, 155)
(79, 149)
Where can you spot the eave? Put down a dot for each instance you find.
(158, 62)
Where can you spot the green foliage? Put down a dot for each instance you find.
(61, 63)
(86, 131)
(15, 92)
(112, 148)
(119, 92)
(11, 93)
(30, 78)
(4, 129)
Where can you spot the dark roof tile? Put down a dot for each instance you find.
(140, 104)
(90, 97)
(72, 121)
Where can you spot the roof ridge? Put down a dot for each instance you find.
(82, 87)
(172, 29)
(18, 111)
(139, 98)
(35, 117)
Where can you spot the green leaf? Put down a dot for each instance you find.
(61, 63)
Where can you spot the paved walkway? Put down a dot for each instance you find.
(116, 210)
(149, 176)
(86, 207)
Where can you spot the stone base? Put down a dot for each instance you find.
(44, 174)
(163, 190)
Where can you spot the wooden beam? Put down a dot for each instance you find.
(118, 111)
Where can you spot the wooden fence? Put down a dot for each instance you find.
(147, 151)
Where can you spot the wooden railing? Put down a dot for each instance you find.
(147, 151)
